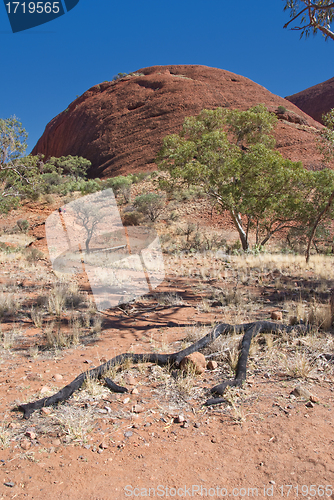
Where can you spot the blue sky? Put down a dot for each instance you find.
(43, 69)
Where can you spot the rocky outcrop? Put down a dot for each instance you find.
(316, 100)
(119, 125)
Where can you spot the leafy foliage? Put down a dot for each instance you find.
(312, 16)
(150, 205)
(229, 154)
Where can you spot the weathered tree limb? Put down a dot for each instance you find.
(174, 359)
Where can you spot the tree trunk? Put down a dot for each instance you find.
(238, 224)
(322, 213)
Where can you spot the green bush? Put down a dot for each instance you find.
(281, 109)
(150, 205)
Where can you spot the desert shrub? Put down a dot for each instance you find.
(32, 255)
(281, 109)
(23, 225)
(121, 185)
(90, 186)
(150, 205)
(132, 218)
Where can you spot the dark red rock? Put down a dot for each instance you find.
(316, 100)
(119, 126)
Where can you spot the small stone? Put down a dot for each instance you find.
(290, 406)
(56, 442)
(100, 450)
(148, 424)
(10, 484)
(134, 391)
(195, 361)
(126, 400)
(197, 425)
(88, 361)
(179, 419)
(58, 377)
(129, 380)
(314, 399)
(87, 446)
(25, 444)
(214, 440)
(302, 392)
(272, 482)
(138, 409)
(135, 426)
(45, 389)
(46, 411)
(103, 360)
(266, 375)
(276, 315)
(128, 434)
(13, 425)
(31, 434)
(103, 445)
(309, 404)
(185, 425)
(212, 365)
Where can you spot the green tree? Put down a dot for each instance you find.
(72, 166)
(18, 174)
(323, 180)
(312, 16)
(229, 154)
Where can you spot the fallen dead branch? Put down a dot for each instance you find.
(250, 330)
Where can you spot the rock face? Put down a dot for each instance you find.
(119, 126)
(316, 100)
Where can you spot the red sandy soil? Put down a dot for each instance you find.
(276, 442)
(119, 126)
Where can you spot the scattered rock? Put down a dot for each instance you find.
(138, 409)
(46, 411)
(134, 391)
(88, 361)
(45, 389)
(10, 484)
(129, 380)
(126, 400)
(103, 445)
(185, 425)
(13, 425)
(309, 404)
(276, 315)
(197, 425)
(179, 419)
(31, 434)
(301, 392)
(58, 377)
(212, 365)
(25, 444)
(195, 361)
